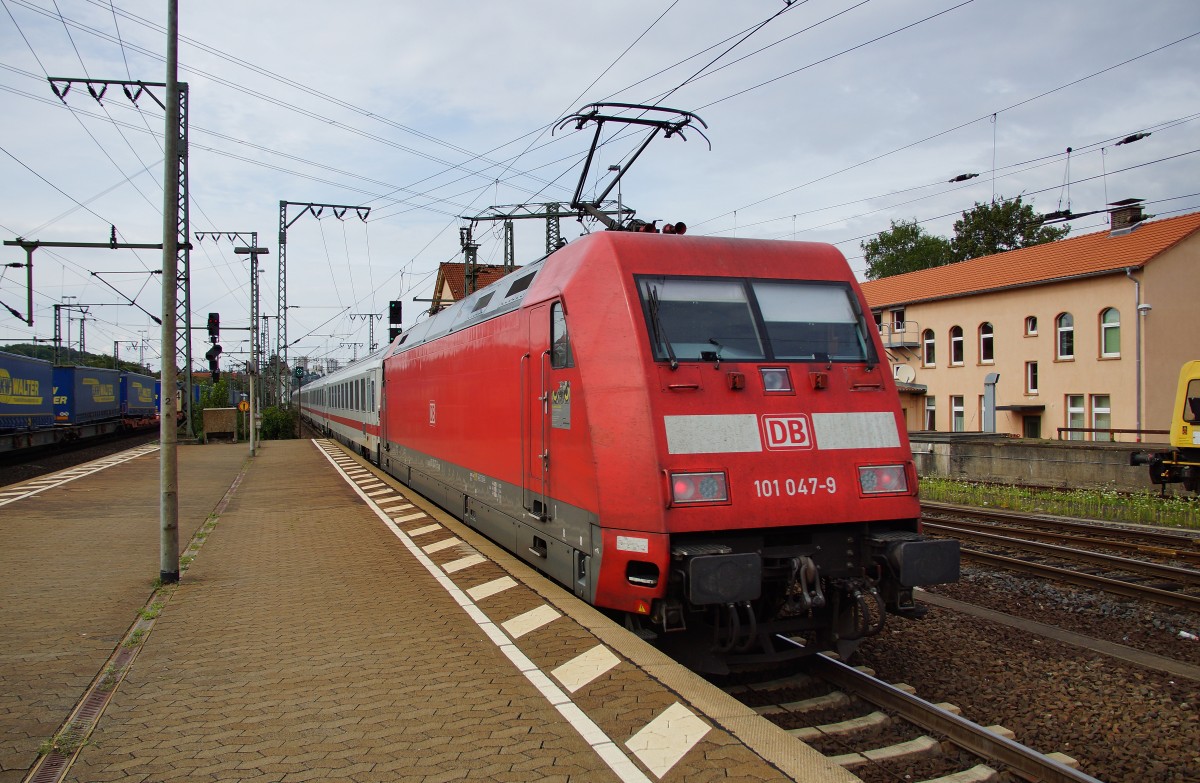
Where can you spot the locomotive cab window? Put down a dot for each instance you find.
(691, 319)
(560, 341)
(1191, 408)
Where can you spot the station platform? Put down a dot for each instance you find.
(328, 626)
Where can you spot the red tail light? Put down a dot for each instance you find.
(882, 479)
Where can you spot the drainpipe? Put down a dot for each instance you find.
(1137, 337)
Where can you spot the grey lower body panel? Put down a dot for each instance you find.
(564, 545)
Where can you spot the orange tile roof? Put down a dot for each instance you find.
(455, 274)
(1083, 256)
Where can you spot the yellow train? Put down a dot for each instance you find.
(1180, 464)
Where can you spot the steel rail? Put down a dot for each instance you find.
(1127, 589)
(1025, 761)
(971, 736)
(1186, 576)
(1181, 541)
(1041, 534)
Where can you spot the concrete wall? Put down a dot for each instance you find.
(1032, 462)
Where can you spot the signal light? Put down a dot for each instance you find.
(214, 356)
(214, 325)
(882, 479)
(699, 488)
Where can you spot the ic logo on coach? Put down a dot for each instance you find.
(787, 432)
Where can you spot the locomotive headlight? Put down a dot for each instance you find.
(776, 379)
(699, 488)
(882, 479)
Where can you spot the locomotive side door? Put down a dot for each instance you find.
(535, 413)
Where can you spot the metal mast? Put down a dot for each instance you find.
(339, 211)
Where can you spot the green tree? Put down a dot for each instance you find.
(905, 247)
(998, 226)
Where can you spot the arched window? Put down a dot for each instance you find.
(1065, 325)
(927, 348)
(956, 345)
(1110, 332)
(986, 344)
(1030, 325)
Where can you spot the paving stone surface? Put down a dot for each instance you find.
(309, 641)
(78, 561)
(304, 644)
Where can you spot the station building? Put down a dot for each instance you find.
(1079, 339)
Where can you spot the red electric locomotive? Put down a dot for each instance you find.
(698, 433)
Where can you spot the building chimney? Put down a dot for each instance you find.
(1125, 216)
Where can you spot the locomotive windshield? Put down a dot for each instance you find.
(703, 319)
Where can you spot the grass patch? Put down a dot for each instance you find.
(151, 612)
(109, 681)
(135, 638)
(65, 742)
(1104, 504)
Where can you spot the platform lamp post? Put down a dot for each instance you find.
(254, 253)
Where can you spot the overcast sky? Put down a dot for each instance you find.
(827, 122)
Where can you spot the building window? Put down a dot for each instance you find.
(930, 414)
(1031, 426)
(1031, 378)
(1065, 324)
(958, 415)
(927, 348)
(1075, 416)
(986, 344)
(1110, 333)
(956, 345)
(1031, 326)
(1102, 417)
(898, 321)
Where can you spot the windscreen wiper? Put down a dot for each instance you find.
(660, 332)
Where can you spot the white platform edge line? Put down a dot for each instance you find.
(79, 472)
(616, 759)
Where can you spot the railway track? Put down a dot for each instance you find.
(1164, 543)
(871, 742)
(1002, 535)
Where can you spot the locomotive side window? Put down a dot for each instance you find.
(560, 341)
(692, 319)
(811, 322)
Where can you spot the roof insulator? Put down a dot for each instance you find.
(1131, 139)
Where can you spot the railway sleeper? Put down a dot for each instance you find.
(921, 747)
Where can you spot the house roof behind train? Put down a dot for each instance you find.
(1104, 252)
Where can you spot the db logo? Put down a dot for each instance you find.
(786, 432)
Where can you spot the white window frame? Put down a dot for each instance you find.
(957, 361)
(1031, 377)
(987, 339)
(928, 348)
(958, 414)
(1102, 406)
(1076, 415)
(930, 413)
(1105, 328)
(1031, 326)
(1062, 330)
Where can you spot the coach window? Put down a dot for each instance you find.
(560, 341)
(1110, 333)
(956, 346)
(1065, 326)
